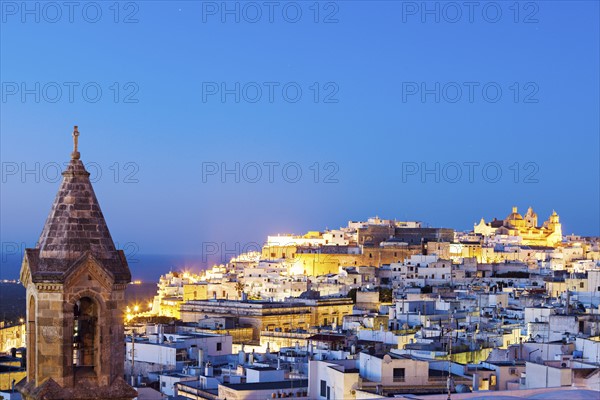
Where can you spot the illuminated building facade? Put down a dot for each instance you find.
(526, 228)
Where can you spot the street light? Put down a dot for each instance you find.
(529, 355)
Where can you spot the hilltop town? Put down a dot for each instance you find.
(380, 308)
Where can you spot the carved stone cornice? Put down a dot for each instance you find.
(49, 287)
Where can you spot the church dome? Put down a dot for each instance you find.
(514, 216)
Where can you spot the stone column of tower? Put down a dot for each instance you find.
(75, 280)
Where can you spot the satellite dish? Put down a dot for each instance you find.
(460, 388)
(387, 359)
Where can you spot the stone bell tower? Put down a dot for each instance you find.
(75, 280)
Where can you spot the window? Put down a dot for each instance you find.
(219, 346)
(328, 393)
(323, 388)
(398, 374)
(581, 285)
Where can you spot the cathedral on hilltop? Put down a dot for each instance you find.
(549, 234)
(75, 280)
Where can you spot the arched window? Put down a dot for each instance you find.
(85, 335)
(31, 339)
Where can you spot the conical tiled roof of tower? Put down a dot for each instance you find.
(74, 229)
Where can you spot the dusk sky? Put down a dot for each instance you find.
(499, 102)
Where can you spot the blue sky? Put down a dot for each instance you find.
(161, 123)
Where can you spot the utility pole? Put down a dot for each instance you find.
(449, 383)
(132, 356)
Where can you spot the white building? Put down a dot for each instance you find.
(409, 269)
(389, 371)
(157, 354)
(168, 381)
(293, 240)
(336, 238)
(332, 379)
(263, 374)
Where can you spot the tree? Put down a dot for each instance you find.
(239, 287)
(385, 295)
(155, 319)
(352, 294)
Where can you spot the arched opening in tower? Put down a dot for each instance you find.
(31, 339)
(85, 329)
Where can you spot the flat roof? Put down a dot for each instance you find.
(259, 368)
(506, 363)
(327, 337)
(177, 375)
(345, 370)
(288, 384)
